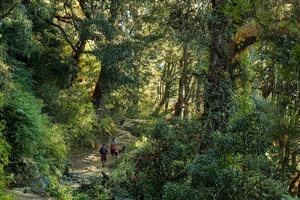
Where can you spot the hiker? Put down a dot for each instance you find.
(103, 152)
(113, 147)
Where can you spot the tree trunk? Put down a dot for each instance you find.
(182, 81)
(76, 56)
(294, 188)
(164, 100)
(225, 45)
(198, 98)
(135, 98)
(102, 88)
(294, 163)
(217, 87)
(100, 94)
(166, 83)
(284, 144)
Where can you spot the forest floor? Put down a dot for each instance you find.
(85, 164)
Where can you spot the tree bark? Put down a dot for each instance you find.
(222, 64)
(182, 81)
(217, 88)
(102, 88)
(166, 83)
(100, 93)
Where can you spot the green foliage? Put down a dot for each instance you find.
(37, 59)
(212, 179)
(62, 190)
(124, 178)
(250, 130)
(92, 188)
(235, 177)
(98, 192)
(288, 197)
(51, 63)
(238, 11)
(4, 160)
(35, 147)
(5, 147)
(16, 34)
(113, 73)
(108, 125)
(82, 197)
(238, 166)
(72, 109)
(90, 28)
(59, 190)
(180, 191)
(159, 159)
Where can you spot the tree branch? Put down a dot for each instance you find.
(72, 15)
(244, 38)
(9, 11)
(64, 34)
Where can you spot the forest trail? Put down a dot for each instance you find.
(85, 164)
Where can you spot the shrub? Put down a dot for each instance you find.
(72, 109)
(59, 190)
(4, 160)
(37, 148)
(159, 159)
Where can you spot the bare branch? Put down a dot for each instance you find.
(64, 34)
(9, 11)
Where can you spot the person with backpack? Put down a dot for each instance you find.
(103, 153)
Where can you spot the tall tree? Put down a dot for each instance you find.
(119, 55)
(184, 20)
(80, 22)
(169, 73)
(229, 36)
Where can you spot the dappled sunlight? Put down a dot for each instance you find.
(142, 142)
(202, 98)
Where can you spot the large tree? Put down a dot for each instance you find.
(121, 55)
(229, 36)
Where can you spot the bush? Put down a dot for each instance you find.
(37, 148)
(180, 191)
(237, 167)
(235, 177)
(159, 159)
(4, 160)
(108, 126)
(59, 190)
(72, 109)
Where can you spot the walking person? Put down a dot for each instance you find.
(113, 147)
(103, 153)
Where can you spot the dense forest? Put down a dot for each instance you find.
(215, 82)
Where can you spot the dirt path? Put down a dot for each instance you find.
(20, 194)
(88, 163)
(84, 165)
